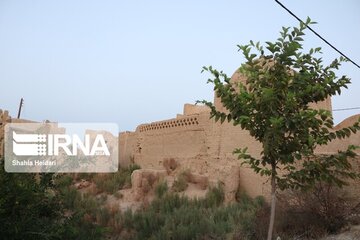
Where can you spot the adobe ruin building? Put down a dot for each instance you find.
(194, 141)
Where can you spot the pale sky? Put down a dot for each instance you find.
(133, 62)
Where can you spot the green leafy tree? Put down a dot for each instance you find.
(273, 106)
(27, 210)
(31, 207)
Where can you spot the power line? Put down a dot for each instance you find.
(344, 109)
(333, 47)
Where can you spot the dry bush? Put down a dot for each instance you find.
(180, 184)
(311, 214)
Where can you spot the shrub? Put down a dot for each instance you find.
(41, 206)
(112, 182)
(251, 216)
(70, 196)
(181, 182)
(132, 167)
(161, 188)
(116, 224)
(103, 216)
(177, 217)
(62, 181)
(215, 196)
(311, 214)
(77, 228)
(87, 203)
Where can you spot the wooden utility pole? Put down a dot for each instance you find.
(20, 106)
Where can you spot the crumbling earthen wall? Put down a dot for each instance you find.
(4, 119)
(181, 137)
(204, 147)
(342, 144)
(193, 141)
(127, 145)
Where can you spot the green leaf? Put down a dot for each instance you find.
(274, 108)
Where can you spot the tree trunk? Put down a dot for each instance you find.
(273, 205)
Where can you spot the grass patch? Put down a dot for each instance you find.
(169, 216)
(112, 182)
(177, 217)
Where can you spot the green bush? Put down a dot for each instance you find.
(177, 217)
(33, 209)
(112, 182)
(63, 180)
(132, 167)
(76, 227)
(70, 196)
(160, 189)
(102, 216)
(42, 206)
(87, 203)
(215, 196)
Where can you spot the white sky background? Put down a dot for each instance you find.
(132, 62)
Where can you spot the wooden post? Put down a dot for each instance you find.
(20, 106)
